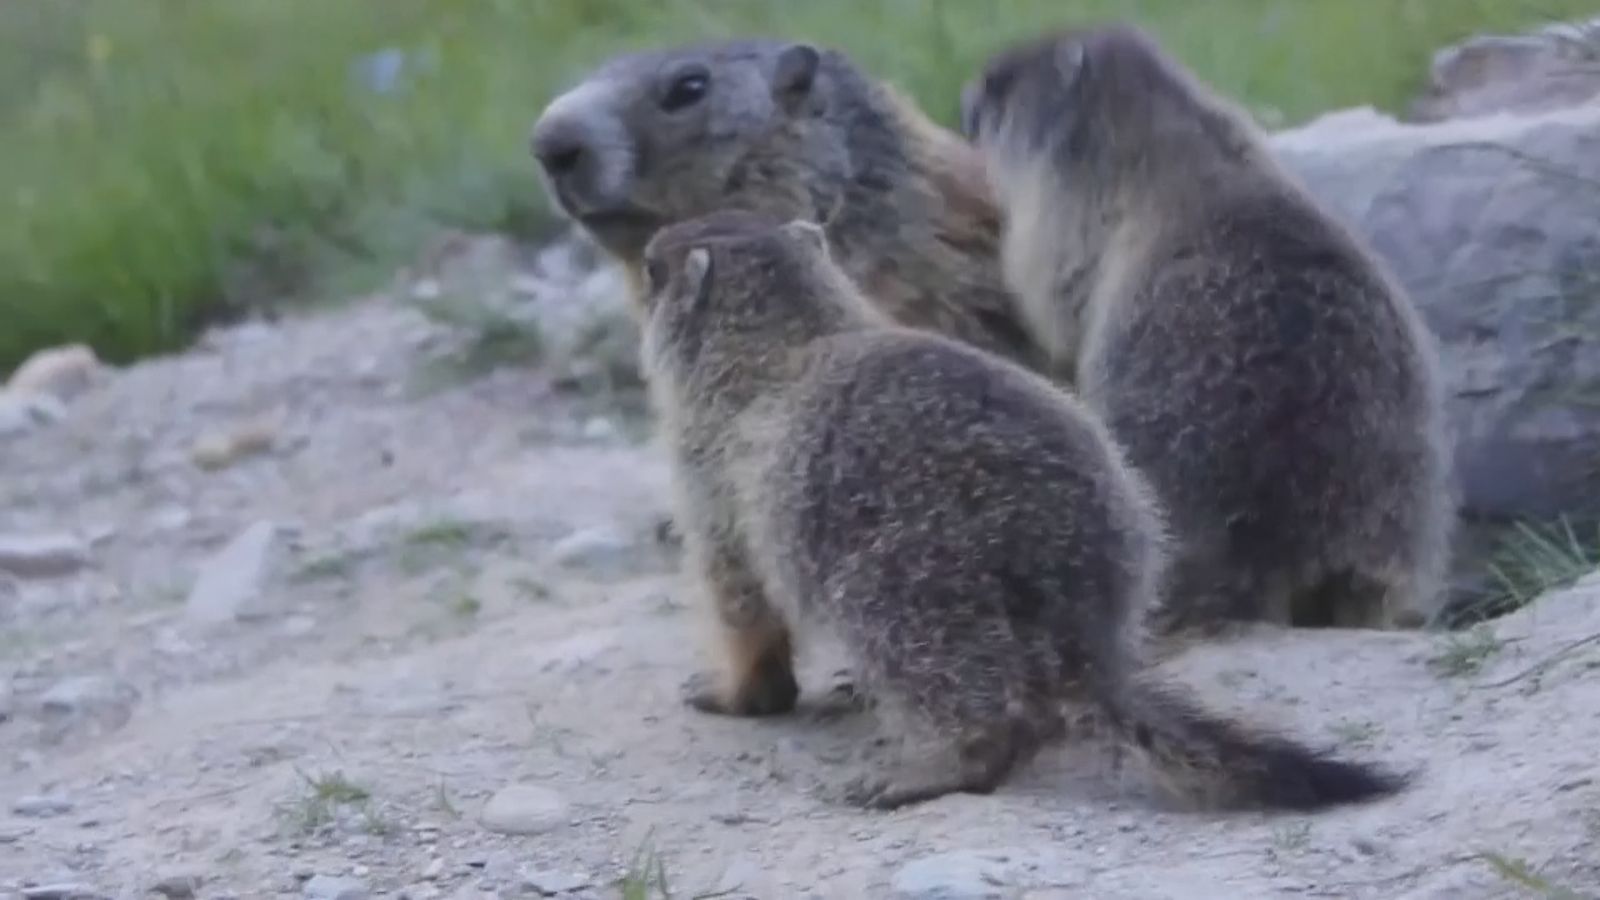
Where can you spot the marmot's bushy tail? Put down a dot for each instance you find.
(1217, 764)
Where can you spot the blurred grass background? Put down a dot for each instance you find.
(167, 163)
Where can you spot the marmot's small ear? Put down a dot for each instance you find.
(792, 77)
(697, 272)
(971, 92)
(809, 232)
(1068, 59)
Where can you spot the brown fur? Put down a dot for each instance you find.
(967, 530)
(1257, 362)
(793, 131)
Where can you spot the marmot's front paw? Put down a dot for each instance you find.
(773, 695)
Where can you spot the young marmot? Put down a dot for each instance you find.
(967, 530)
(795, 131)
(1255, 361)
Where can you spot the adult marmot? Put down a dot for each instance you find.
(1253, 357)
(796, 131)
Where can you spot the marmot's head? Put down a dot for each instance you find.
(749, 282)
(658, 137)
(1104, 99)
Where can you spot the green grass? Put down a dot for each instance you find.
(1519, 872)
(1531, 559)
(168, 163)
(1464, 653)
(322, 798)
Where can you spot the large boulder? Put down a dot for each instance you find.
(1493, 223)
(1552, 67)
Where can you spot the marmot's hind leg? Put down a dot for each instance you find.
(1352, 598)
(986, 696)
(757, 672)
(985, 756)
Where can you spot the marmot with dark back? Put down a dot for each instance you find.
(965, 528)
(1255, 360)
(795, 131)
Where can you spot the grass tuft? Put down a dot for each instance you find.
(1466, 652)
(325, 795)
(1520, 873)
(1530, 560)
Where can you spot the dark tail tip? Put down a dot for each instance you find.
(1233, 765)
(1302, 779)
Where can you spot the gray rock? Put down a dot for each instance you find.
(61, 891)
(1493, 224)
(22, 413)
(85, 705)
(524, 809)
(601, 550)
(958, 875)
(1551, 68)
(62, 372)
(736, 875)
(550, 883)
(178, 886)
(331, 887)
(169, 518)
(85, 695)
(42, 555)
(231, 583)
(41, 806)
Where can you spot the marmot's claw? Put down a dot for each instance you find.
(878, 791)
(843, 697)
(701, 691)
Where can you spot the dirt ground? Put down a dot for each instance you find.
(338, 628)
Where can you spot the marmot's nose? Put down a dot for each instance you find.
(558, 146)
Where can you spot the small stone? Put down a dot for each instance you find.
(100, 534)
(42, 555)
(22, 413)
(298, 626)
(330, 887)
(434, 870)
(551, 883)
(230, 583)
(735, 875)
(961, 875)
(219, 449)
(85, 694)
(598, 429)
(178, 887)
(60, 372)
(1366, 846)
(14, 417)
(169, 518)
(61, 891)
(42, 806)
(524, 809)
(594, 549)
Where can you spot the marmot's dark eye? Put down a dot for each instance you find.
(685, 92)
(655, 275)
